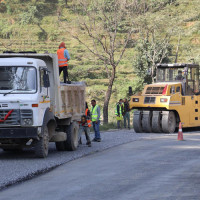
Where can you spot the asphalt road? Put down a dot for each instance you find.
(15, 167)
(152, 168)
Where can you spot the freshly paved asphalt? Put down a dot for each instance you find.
(18, 166)
(154, 168)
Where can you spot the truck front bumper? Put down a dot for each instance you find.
(18, 132)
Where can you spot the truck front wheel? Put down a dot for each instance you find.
(42, 145)
(71, 143)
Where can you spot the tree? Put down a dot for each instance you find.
(108, 26)
(33, 15)
(153, 48)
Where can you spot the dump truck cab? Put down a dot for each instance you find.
(23, 85)
(163, 104)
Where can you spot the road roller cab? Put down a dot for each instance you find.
(174, 97)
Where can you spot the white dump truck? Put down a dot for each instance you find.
(35, 107)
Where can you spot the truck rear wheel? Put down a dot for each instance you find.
(71, 143)
(42, 145)
(147, 121)
(137, 121)
(156, 122)
(168, 121)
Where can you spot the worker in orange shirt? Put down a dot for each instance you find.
(63, 58)
(84, 126)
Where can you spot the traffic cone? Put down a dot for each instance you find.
(180, 132)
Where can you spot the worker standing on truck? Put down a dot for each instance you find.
(118, 113)
(126, 114)
(95, 116)
(63, 58)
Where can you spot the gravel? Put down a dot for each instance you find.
(17, 167)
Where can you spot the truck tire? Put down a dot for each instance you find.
(60, 146)
(42, 145)
(168, 122)
(71, 143)
(137, 121)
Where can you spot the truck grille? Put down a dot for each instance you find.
(149, 100)
(154, 90)
(26, 114)
(13, 119)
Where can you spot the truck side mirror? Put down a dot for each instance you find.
(46, 80)
(130, 91)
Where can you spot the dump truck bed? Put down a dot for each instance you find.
(72, 101)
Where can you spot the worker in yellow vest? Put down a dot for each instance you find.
(63, 58)
(118, 113)
(95, 117)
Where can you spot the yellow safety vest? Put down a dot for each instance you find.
(94, 114)
(120, 112)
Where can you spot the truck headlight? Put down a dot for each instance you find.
(26, 122)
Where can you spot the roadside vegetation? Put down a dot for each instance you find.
(147, 32)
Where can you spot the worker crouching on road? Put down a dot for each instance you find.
(84, 126)
(63, 58)
(95, 116)
(118, 113)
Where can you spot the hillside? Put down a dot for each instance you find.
(184, 14)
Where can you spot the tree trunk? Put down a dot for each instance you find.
(66, 1)
(153, 73)
(108, 95)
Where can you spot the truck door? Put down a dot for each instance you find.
(44, 97)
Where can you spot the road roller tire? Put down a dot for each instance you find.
(168, 122)
(147, 121)
(137, 121)
(156, 122)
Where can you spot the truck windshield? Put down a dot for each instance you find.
(170, 74)
(17, 79)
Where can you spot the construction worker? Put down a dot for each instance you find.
(87, 111)
(118, 113)
(126, 114)
(84, 126)
(179, 77)
(95, 116)
(63, 58)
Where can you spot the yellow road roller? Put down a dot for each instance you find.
(173, 98)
